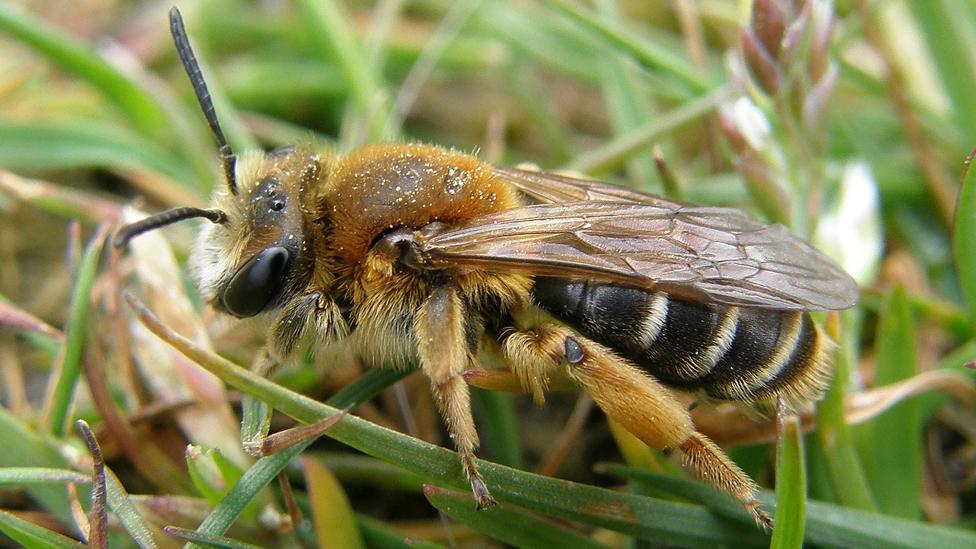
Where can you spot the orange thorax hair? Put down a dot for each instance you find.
(382, 187)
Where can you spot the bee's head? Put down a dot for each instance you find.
(258, 256)
(254, 256)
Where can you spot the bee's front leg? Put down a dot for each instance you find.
(313, 311)
(444, 356)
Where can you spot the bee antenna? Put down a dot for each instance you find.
(192, 69)
(132, 230)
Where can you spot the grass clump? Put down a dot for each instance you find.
(849, 123)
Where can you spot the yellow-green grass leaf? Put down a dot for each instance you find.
(946, 27)
(363, 470)
(332, 516)
(498, 430)
(622, 148)
(266, 469)
(329, 26)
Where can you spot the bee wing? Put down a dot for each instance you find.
(552, 188)
(716, 255)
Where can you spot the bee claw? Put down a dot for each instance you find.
(482, 496)
(762, 518)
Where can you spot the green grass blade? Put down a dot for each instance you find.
(964, 237)
(138, 105)
(538, 38)
(207, 540)
(950, 39)
(24, 447)
(622, 148)
(626, 108)
(498, 426)
(237, 499)
(330, 29)
(626, 105)
(266, 469)
(827, 524)
(28, 534)
(21, 476)
(76, 332)
(647, 53)
(834, 437)
(894, 440)
(69, 144)
(368, 471)
(791, 484)
(377, 534)
(510, 525)
(128, 515)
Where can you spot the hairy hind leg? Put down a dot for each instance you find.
(638, 402)
(444, 356)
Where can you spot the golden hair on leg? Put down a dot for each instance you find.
(439, 329)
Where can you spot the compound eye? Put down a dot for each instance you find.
(256, 283)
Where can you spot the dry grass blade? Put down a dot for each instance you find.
(51, 197)
(98, 514)
(78, 511)
(867, 405)
(19, 319)
(272, 444)
(732, 426)
(170, 377)
(295, 517)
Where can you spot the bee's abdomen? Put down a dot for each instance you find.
(729, 353)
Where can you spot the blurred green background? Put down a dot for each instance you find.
(848, 121)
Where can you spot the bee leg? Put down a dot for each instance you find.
(312, 310)
(444, 355)
(638, 402)
(647, 409)
(531, 355)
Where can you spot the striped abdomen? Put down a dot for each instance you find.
(729, 353)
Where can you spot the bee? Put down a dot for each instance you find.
(413, 253)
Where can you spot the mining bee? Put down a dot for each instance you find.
(413, 253)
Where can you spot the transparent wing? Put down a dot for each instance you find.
(551, 188)
(710, 254)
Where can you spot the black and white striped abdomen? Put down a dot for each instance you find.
(729, 353)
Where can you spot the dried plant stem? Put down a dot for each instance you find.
(98, 514)
(568, 438)
(939, 182)
(731, 429)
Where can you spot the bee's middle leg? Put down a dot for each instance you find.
(444, 355)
